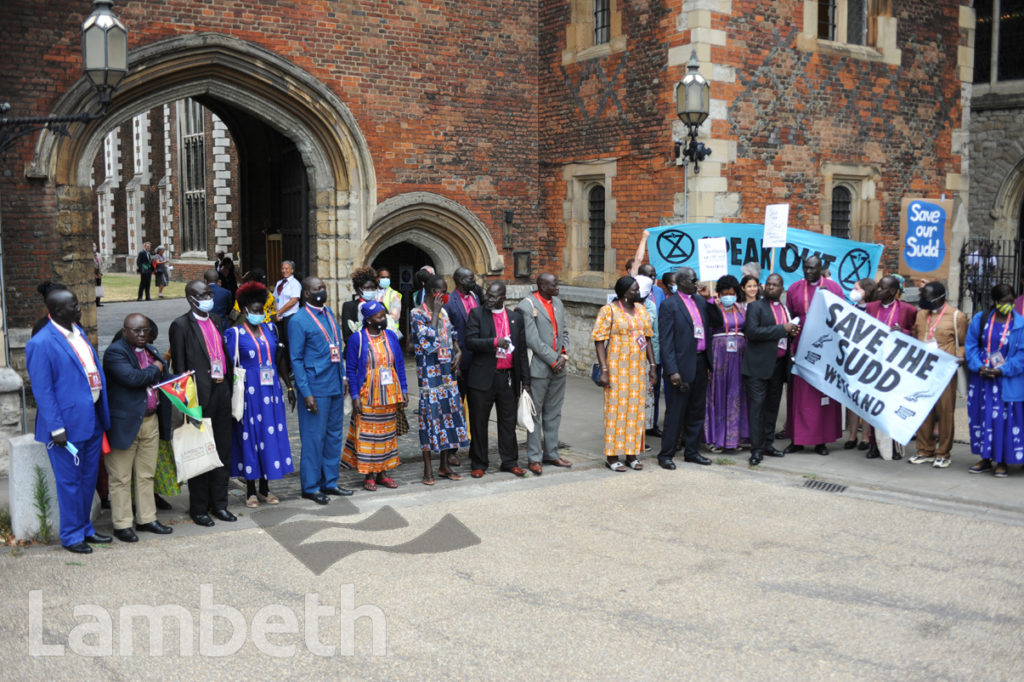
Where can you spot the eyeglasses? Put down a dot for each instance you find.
(137, 330)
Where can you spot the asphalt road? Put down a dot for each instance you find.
(701, 573)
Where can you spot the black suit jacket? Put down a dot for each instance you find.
(480, 335)
(459, 317)
(763, 334)
(188, 352)
(675, 334)
(126, 390)
(349, 312)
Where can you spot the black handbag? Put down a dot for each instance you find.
(595, 373)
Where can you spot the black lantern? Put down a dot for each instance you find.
(693, 104)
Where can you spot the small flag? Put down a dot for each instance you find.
(181, 390)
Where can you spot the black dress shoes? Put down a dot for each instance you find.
(98, 539)
(772, 452)
(224, 515)
(154, 527)
(755, 458)
(79, 548)
(821, 449)
(343, 492)
(654, 433)
(201, 520)
(793, 447)
(697, 459)
(319, 498)
(666, 464)
(873, 452)
(125, 535)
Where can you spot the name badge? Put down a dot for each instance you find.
(94, 381)
(698, 332)
(216, 370)
(386, 378)
(501, 352)
(732, 346)
(642, 342)
(335, 353)
(784, 344)
(996, 360)
(266, 376)
(444, 354)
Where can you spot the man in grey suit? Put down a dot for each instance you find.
(547, 336)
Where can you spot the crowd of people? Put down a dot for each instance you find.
(722, 361)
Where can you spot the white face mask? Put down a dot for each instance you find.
(856, 295)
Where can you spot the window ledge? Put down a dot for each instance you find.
(615, 45)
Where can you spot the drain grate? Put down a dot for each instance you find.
(825, 486)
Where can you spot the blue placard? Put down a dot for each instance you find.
(673, 246)
(924, 246)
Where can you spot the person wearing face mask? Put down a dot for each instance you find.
(995, 397)
(812, 417)
(314, 346)
(260, 449)
(197, 346)
(725, 418)
(460, 304)
(684, 327)
(941, 326)
(365, 284)
(498, 372)
(442, 423)
(391, 299)
(375, 368)
(71, 395)
(646, 287)
(861, 295)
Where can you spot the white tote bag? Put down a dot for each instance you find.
(238, 386)
(195, 451)
(526, 411)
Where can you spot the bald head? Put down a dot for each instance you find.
(812, 269)
(211, 276)
(547, 285)
(63, 307)
(136, 330)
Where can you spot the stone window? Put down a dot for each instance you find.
(850, 208)
(597, 243)
(589, 212)
(858, 29)
(595, 30)
(842, 206)
(192, 159)
(998, 36)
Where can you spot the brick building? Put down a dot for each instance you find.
(513, 138)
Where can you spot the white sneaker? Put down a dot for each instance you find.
(941, 462)
(922, 459)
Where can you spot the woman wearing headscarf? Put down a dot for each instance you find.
(725, 416)
(622, 341)
(376, 382)
(995, 394)
(442, 422)
(260, 449)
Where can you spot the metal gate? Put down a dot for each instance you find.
(985, 263)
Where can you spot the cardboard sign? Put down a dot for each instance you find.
(776, 222)
(926, 231)
(713, 258)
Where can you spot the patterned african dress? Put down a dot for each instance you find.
(442, 422)
(997, 427)
(259, 442)
(372, 443)
(624, 398)
(725, 414)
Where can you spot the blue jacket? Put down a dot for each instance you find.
(127, 391)
(1012, 382)
(310, 353)
(356, 357)
(61, 388)
(223, 302)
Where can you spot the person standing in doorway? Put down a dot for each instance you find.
(391, 299)
(144, 266)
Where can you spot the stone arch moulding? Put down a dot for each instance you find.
(1007, 203)
(445, 229)
(337, 159)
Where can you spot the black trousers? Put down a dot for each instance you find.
(500, 395)
(282, 338)
(210, 490)
(144, 281)
(684, 413)
(763, 397)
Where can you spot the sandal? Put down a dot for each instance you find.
(387, 482)
(615, 466)
(983, 465)
(450, 475)
(1000, 472)
(269, 498)
(368, 484)
(252, 502)
(634, 464)
(428, 481)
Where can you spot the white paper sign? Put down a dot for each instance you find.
(713, 258)
(776, 222)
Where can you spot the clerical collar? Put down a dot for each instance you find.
(201, 316)
(889, 305)
(310, 305)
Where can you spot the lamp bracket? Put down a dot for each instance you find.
(15, 127)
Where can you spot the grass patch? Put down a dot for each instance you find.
(725, 461)
(811, 476)
(43, 504)
(122, 286)
(6, 532)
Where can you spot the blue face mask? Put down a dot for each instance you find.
(728, 301)
(255, 318)
(205, 305)
(673, 288)
(385, 282)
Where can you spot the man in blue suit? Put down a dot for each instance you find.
(315, 344)
(684, 332)
(223, 301)
(71, 395)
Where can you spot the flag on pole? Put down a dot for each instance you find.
(181, 390)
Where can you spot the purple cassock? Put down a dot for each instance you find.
(812, 417)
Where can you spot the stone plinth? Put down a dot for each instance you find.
(10, 413)
(26, 455)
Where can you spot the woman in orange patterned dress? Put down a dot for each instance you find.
(622, 340)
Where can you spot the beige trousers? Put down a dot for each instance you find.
(140, 457)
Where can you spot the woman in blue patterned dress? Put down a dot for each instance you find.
(995, 396)
(442, 423)
(260, 450)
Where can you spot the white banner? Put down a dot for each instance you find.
(776, 224)
(890, 379)
(713, 256)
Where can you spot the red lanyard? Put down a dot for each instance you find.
(376, 354)
(85, 365)
(630, 319)
(806, 287)
(892, 313)
(550, 308)
(736, 319)
(931, 330)
(785, 313)
(1002, 339)
(691, 307)
(323, 331)
(259, 353)
(443, 333)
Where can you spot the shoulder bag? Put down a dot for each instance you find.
(238, 385)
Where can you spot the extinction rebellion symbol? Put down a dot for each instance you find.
(856, 265)
(674, 246)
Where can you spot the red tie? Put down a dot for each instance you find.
(280, 286)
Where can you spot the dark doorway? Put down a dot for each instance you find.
(402, 261)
